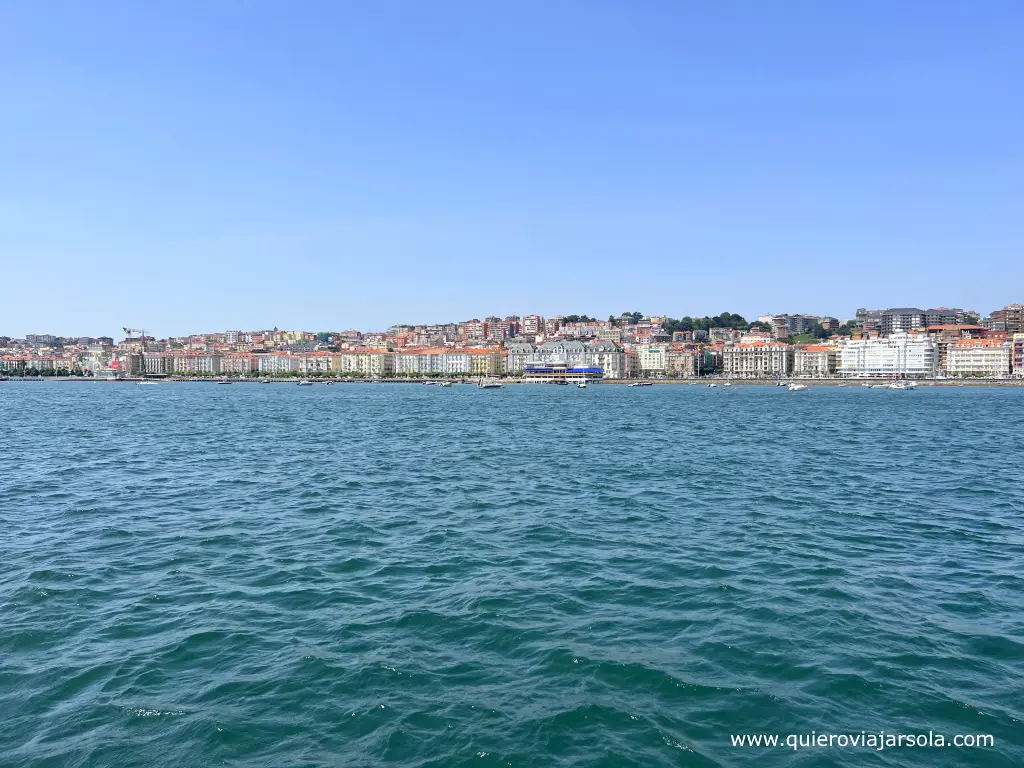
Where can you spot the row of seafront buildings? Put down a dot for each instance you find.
(365, 363)
(896, 342)
(953, 351)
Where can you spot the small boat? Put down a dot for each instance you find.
(794, 387)
(225, 381)
(146, 383)
(489, 384)
(446, 384)
(264, 381)
(305, 383)
(712, 385)
(640, 384)
(582, 385)
(842, 385)
(429, 383)
(899, 385)
(780, 384)
(727, 384)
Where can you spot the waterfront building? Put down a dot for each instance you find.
(979, 357)
(757, 360)
(682, 363)
(366, 363)
(901, 354)
(558, 371)
(606, 355)
(276, 363)
(314, 363)
(195, 363)
(945, 335)
(485, 362)
(1017, 355)
(159, 364)
(10, 363)
(652, 360)
(238, 364)
(816, 361)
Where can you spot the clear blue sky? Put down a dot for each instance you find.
(195, 165)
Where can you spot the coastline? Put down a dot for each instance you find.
(606, 382)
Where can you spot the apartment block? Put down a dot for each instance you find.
(901, 354)
(757, 360)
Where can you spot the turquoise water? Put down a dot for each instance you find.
(358, 575)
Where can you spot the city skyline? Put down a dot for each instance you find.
(154, 333)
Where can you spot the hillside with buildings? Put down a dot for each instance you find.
(898, 342)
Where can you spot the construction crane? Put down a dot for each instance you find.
(142, 336)
(136, 360)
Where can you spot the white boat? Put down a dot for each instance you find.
(794, 387)
(899, 385)
(842, 385)
(712, 385)
(489, 384)
(146, 383)
(727, 384)
(582, 385)
(640, 384)
(305, 383)
(447, 384)
(780, 384)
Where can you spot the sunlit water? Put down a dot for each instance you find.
(247, 575)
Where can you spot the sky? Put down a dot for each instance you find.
(200, 165)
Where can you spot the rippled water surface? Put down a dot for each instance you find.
(193, 574)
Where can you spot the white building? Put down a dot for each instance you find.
(653, 360)
(158, 363)
(422, 362)
(314, 363)
(817, 361)
(277, 362)
(603, 354)
(979, 357)
(901, 354)
(757, 360)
